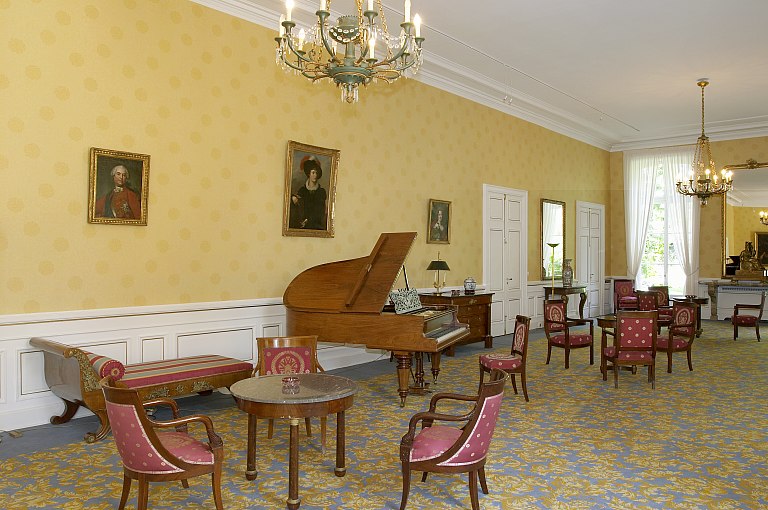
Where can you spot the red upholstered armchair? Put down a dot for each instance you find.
(624, 297)
(682, 333)
(748, 320)
(514, 362)
(557, 327)
(453, 449)
(634, 343)
(289, 355)
(150, 455)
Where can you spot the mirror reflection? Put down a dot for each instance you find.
(742, 219)
(552, 238)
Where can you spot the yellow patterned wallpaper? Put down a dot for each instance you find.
(728, 152)
(199, 91)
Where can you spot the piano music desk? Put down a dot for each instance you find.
(474, 309)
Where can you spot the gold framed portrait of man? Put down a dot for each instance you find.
(118, 187)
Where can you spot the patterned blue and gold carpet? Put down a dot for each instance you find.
(697, 441)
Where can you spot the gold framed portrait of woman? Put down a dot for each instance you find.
(310, 190)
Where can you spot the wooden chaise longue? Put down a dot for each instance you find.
(73, 375)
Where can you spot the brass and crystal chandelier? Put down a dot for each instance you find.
(356, 51)
(764, 217)
(703, 182)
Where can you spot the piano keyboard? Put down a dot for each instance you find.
(445, 331)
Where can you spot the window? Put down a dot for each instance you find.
(660, 264)
(662, 226)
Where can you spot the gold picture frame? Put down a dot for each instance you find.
(761, 247)
(118, 187)
(439, 222)
(310, 199)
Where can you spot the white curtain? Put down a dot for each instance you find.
(639, 186)
(684, 213)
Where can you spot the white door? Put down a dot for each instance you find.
(505, 245)
(590, 254)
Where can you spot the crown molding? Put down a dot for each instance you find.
(459, 80)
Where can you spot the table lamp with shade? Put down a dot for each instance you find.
(437, 266)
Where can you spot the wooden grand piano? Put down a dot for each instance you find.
(342, 302)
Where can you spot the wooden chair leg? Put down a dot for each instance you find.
(669, 360)
(424, 476)
(735, 332)
(615, 374)
(525, 386)
(308, 424)
(126, 492)
(216, 486)
(473, 490)
(483, 483)
(690, 364)
(185, 483)
(549, 352)
(757, 330)
(406, 484)
(270, 428)
(514, 384)
(143, 497)
(567, 357)
(323, 432)
(592, 354)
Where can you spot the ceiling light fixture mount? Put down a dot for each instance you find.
(346, 53)
(703, 180)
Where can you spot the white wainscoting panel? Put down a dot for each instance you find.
(31, 365)
(237, 343)
(152, 348)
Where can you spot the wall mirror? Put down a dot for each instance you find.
(741, 214)
(552, 238)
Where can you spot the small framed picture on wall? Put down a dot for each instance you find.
(439, 226)
(310, 190)
(118, 187)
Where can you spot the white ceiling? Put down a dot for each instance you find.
(616, 74)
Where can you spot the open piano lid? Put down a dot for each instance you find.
(358, 285)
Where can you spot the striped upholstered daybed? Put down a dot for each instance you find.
(73, 375)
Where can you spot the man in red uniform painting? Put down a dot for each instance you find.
(120, 201)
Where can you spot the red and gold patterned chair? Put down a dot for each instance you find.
(748, 320)
(557, 327)
(453, 449)
(624, 297)
(289, 355)
(665, 306)
(682, 332)
(648, 301)
(149, 455)
(513, 363)
(634, 343)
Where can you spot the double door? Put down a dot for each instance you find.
(505, 259)
(590, 254)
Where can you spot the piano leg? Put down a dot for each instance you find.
(435, 366)
(403, 374)
(419, 387)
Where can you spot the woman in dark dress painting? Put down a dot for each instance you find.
(308, 203)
